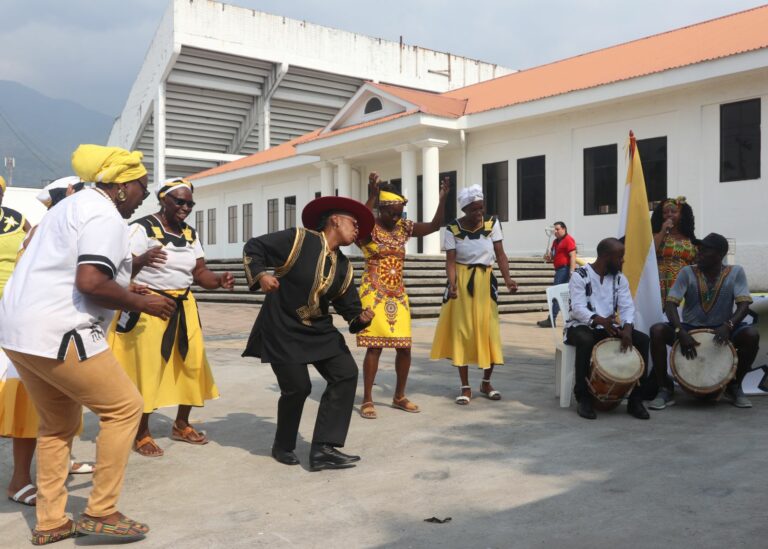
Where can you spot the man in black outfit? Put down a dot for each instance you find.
(294, 327)
(601, 307)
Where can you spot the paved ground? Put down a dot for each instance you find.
(517, 473)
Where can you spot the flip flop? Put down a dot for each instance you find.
(182, 435)
(147, 440)
(30, 501)
(84, 469)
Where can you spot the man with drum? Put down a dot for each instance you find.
(602, 307)
(709, 291)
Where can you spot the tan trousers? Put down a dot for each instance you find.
(59, 390)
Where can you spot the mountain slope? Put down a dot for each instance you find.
(41, 132)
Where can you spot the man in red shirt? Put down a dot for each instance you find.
(563, 258)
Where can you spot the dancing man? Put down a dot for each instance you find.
(294, 327)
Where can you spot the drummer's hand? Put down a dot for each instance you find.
(626, 338)
(722, 334)
(606, 323)
(687, 345)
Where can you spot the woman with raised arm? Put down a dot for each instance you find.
(468, 329)
(382, 289)
(166, 358)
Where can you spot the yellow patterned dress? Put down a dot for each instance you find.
(672, 256)
(18, 418)
(382, 288)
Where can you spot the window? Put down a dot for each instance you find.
(232, 224)
(740, 141)
(495, 189)
(531, 188)
(272, 220)
(373, 105)
(212, 226)
(200, 224)
(653, 157)
(247, 222)
(600, 180)
(290, 212)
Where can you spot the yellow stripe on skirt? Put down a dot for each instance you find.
(180, 381)
(468, 329)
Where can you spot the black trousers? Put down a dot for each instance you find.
(335, 413)
(584, 339)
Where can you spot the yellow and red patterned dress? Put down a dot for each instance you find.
(673, 255)
(382, 288)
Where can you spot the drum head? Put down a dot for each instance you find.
(613, 363)
(712, 367)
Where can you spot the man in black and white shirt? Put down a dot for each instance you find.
(602, 307)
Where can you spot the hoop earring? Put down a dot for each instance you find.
(121, 196)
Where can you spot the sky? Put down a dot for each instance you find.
(90, 51)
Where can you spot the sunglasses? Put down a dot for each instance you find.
(144, 190)
(181, 202)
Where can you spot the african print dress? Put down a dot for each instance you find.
(672, 256)
(382, 288)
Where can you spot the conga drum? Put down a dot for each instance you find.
(614, 374)
(707, 375)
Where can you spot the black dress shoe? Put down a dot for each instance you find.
(584, 408)
(636, 409)
(286, 457)
(546, 323)
(325, 456)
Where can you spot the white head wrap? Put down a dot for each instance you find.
(171, 185)
(44, 195)
(469, 195)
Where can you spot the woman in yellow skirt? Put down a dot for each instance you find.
(468, 329)
(382, 289)
(166, 358)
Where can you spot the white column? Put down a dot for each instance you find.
(326, 178)
(159, 124)
(265, 120)
(408, 175)
(430, 191)
(345, 178)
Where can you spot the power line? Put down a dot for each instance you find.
(29, 146)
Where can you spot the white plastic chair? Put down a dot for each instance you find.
(565, 355)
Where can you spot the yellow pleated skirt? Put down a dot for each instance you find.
(179, 381)
(18, 418)
(468, 329)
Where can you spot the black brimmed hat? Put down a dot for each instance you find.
(714, 241)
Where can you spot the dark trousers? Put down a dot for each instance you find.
(562, 275)
(584, 339)
(335, 411)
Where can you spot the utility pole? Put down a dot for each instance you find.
(10, 163)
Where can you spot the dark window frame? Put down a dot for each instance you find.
(740, 138)
(247, 221)
(289, 212)
(211, 226)
(654, 157)
(373, 105)
(607, 172)
(232, 224)
(529, 183)
(273, 215)
(496, 189)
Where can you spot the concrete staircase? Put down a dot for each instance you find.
(425, 280)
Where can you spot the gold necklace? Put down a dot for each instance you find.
(105, 195)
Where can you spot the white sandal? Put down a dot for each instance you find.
(492, 395)
(29, 500)
(84, 469)
(462, 400)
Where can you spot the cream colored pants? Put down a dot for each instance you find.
(59, 390)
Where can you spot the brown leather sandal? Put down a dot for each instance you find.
(367, 411)
(405, 405)
(189, 435)
(147, 440)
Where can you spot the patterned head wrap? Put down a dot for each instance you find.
(469, 195)
(107, 164)
(173, 184)
(387, 198)
(56, 191)
(674, 201)
(2, 183)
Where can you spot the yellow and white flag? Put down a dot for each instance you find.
(640, 265)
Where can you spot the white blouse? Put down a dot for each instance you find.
(473, 247)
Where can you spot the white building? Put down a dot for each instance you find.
(547, 143)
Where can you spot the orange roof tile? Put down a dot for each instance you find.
(284, 150)
(728, 35)
(428, 102)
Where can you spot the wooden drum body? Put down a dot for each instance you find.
(614, 374)
(713, 368)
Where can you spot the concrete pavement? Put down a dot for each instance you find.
(518, 473)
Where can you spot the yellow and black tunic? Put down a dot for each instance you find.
(294, 325)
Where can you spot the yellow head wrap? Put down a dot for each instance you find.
(387, 198)
(173, 184)
(107, 164)
(2, 183)
(675, 201)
